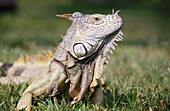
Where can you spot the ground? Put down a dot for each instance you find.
(137, 75)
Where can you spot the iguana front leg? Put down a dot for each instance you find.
(96, 85)
(86, 79)
(91, 75)
(55, 74)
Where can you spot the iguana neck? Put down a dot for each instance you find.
(61, 52)
(66, 45)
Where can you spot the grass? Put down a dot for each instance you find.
(137, 78)
(138, 73)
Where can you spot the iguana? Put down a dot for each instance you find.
(79, 59)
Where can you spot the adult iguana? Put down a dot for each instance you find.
(79, 59)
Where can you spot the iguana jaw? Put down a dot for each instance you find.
(106, 44)
(111, 43)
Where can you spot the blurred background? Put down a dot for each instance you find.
(29, 25)
(139, 66)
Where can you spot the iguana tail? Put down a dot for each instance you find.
(25, 67)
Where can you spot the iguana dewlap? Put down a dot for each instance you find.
(79, 59)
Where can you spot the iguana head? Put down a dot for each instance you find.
(92, 31)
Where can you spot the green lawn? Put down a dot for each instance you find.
(138, 73)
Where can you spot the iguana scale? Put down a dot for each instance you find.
(79, 59)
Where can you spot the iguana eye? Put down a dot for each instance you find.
(96, 19)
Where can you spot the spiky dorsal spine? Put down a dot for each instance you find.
(43, 57)
(111, 45)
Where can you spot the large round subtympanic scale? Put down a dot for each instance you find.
(79, 50)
